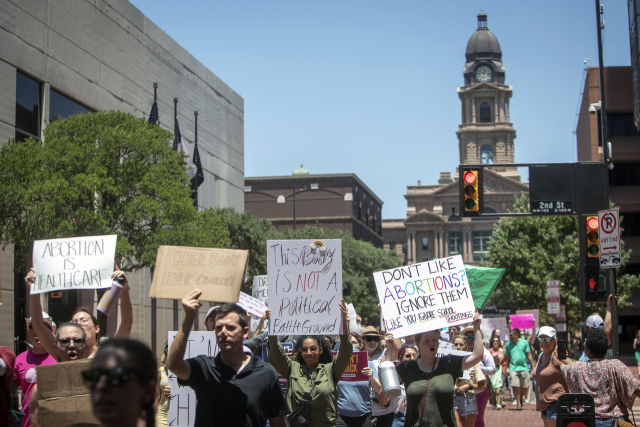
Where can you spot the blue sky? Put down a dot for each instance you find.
(369, 87)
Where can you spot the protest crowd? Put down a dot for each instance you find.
(353, 375)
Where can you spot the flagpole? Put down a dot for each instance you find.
(154, 302)
(175, 147)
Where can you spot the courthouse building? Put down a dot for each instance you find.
(60, 58)
(485, 135)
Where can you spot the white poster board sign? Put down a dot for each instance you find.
(252, 305)
(424, 297)
(305, 286)
(182, 403)
(489, 324)
(353, 323)
(73, 263)
(260, 291)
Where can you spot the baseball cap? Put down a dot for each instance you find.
(211, 310)
(46, 318)
(548, 331)
(594, 321)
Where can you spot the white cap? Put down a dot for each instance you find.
(548, 331)
(594, 321)
(210, 311)
(47, 319)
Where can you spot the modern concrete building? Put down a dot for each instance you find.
(486, 135)
(624, 178)
(334, 201)
(62, 57)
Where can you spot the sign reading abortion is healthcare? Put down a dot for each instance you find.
(422, 297)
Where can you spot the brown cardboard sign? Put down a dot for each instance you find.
(217, 273)
(63, 398)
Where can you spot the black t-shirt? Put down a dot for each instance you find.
(225, 398)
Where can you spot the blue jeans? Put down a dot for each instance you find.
(551, 413)
(605, 422)
(398, 420)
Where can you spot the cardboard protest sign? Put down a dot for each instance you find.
(423, 297)
(489, 324)
(305, 286)
(182, 402)
(357, 363)
(217, 273)
(260, 291)
(63, 398)
(73, 263)
(522, 321)
(251, 304)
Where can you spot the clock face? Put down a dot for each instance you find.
(483, 73)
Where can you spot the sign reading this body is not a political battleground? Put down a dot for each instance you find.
(73, 263)
(305, 286)
(423, 297)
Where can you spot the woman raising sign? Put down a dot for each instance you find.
(430, 380)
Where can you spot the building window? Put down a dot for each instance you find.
(280, 199)
(314, 186)
(61, 106)
(425, 243)
(27, 107)
(455, 242)
(481, 245)
(485, 112)
(404, 248)
(486, 154)
(392, 245)
(247, 189)
(630, 225)
(625, 174)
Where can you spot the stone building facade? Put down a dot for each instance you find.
(433, 227)
(333, 201)
(58, 58)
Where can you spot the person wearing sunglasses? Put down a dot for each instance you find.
(488, 368)
(122, 380)
(313, 365)
(464, 399)
(70, 342)
(232, 388)
(26, 362)
(82, 316)
(550, 383)
(383, 411)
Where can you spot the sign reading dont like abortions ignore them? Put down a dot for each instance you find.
(73, 263)
(423, 297)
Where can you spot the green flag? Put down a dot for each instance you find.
(482, 281)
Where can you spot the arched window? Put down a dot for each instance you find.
(485, 112)
(486, 154)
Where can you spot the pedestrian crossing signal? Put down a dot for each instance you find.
(593, 237)
(471, 194)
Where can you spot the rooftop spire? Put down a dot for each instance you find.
(482, 21)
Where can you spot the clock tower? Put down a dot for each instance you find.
(486, 134)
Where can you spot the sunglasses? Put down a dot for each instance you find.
(116, 377)
(547, 339)
(376, 339)
(470, 337)
(64, 342)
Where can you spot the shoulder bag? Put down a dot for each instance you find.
(300, 416)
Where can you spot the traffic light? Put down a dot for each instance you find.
(593, 237)
(471, 193)
(596, 287)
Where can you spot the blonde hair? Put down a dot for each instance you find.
(418, 337)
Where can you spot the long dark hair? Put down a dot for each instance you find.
(325, 356)
(93, 319)
(142, 360)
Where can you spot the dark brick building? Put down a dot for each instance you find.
(336, 202)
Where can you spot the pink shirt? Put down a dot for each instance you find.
(25, 371)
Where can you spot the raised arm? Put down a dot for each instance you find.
(478, 348)
(45, 335)
(278, 357)
(126, 309)
(391, 349)
(345, 351)
(607, 320)
(175, 361)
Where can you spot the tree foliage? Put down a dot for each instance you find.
(536, 249)
(101, 173)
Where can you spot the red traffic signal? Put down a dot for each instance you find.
(593, 237)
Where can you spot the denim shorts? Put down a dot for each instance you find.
(605, 422)
(551, 412)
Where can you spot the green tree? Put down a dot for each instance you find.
(359, 261)
(536, 249)
(101, 173)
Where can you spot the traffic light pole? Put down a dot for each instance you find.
(611, 277)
